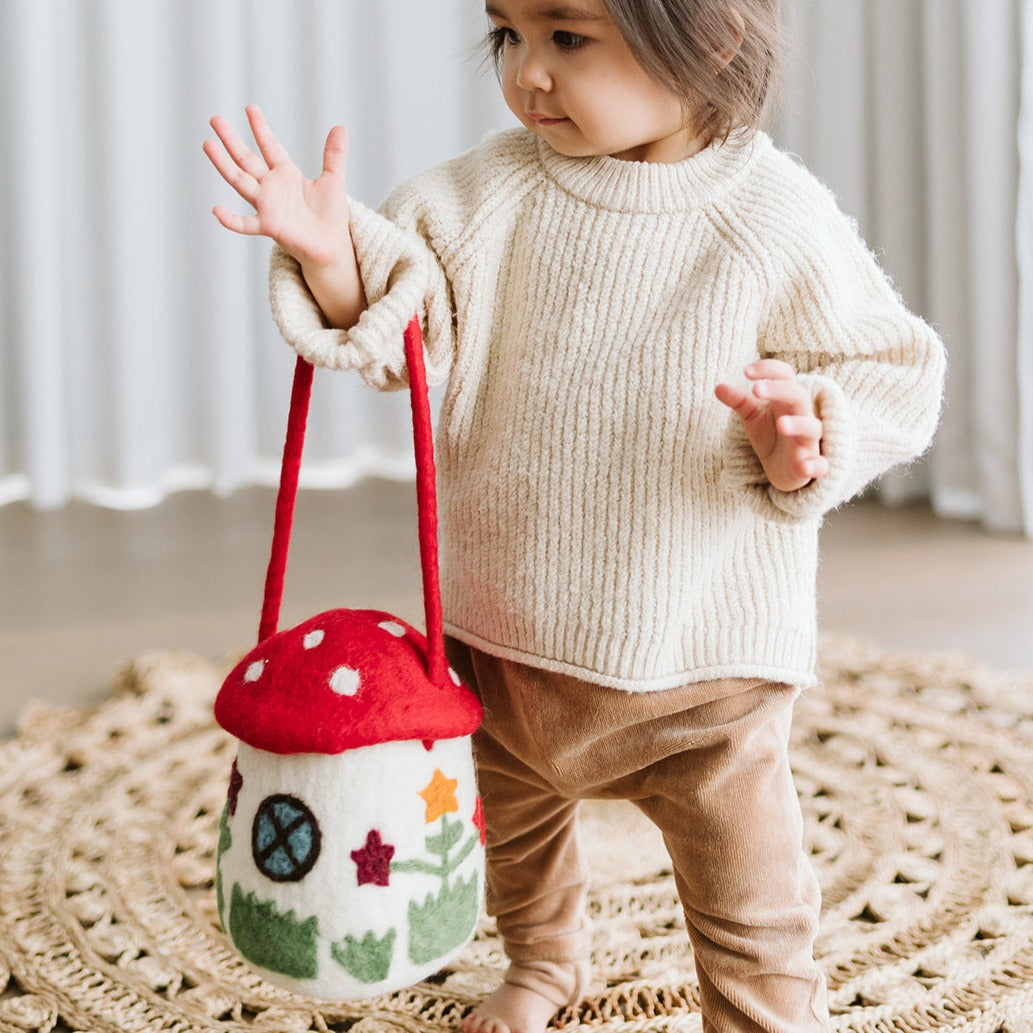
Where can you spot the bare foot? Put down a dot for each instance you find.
(532, 993)
(511, 1009)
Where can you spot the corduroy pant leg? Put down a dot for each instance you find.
(537, 881)
(731, 820)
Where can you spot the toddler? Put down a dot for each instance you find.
(629, 537)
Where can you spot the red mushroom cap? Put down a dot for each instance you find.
(340, 680)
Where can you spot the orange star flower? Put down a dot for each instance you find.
(440, 796)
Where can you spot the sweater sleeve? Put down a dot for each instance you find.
(874, 370)
(402, 276)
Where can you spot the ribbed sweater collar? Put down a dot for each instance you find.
(639, 186)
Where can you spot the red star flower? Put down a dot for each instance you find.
(478, 820)
(374, 860)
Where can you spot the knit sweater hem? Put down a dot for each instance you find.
(802, 679)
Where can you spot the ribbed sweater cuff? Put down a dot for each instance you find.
(394, 280)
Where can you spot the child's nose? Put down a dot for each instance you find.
(533, 73)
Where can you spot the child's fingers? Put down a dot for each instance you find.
(805, 427)
(239, 151)
(243, 182)
(815, 467)
(335, 150)
(271, 148)
(247, 224)
(742, 403)
(770, 369)
(789, 393)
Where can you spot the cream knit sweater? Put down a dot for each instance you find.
(602, 514)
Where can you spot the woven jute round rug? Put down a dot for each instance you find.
(915, 773)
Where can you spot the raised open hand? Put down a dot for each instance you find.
(780, 422)
(309, 218)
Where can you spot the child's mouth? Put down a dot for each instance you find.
(546, 120)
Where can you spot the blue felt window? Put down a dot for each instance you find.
(285, 838)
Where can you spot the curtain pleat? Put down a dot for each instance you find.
(36, 377)
(1024, 253)
(990, 74)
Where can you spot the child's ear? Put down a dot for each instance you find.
(735, 33)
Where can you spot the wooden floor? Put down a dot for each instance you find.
(85, 589)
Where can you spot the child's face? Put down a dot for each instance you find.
(569, 77)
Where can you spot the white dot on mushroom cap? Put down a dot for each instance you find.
(312, 639)
(393, 628)
(254, 671)
(345, 681)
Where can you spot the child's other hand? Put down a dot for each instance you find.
(309, 218)
(780, 422)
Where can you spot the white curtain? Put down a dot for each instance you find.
(136, 351)
(919, 114)
(137, 354)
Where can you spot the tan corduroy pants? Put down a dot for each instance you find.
(708, 764)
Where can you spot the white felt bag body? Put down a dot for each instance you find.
(394, 888)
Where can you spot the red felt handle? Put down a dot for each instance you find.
(290, 465)
(426, 500)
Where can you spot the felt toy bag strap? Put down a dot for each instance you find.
(426, 500)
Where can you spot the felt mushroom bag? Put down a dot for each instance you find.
(351, 848)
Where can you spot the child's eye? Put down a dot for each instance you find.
(501, 37)
(568, 40)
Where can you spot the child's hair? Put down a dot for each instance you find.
(676, 42)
